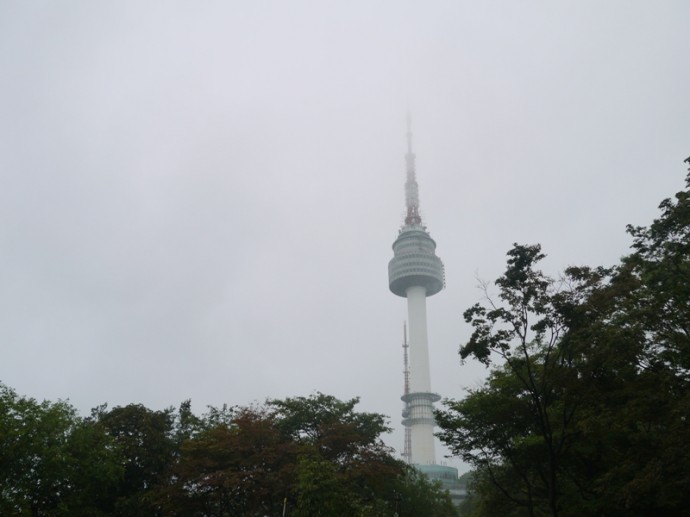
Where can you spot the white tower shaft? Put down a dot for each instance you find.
(421, 408)
(419, 347)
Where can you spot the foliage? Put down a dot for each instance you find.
(302, 456)
(306, 455)
(51, 461)
(584, 411)
(418, 495)
(240, 468)
(341, 458)
(521, 418)
(146, 449)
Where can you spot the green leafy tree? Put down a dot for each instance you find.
(417, 495)
(652, 311)
(244, 468)
(333, 425)
(522, 419)
(329, 430)
(305, 456)
(319, 490)
(147, 450)
(51, 461)
(302, 456)
(185, 423)
(584, 411)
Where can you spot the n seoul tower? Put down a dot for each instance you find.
(415, 272)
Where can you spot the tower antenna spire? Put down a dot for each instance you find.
(412, 216)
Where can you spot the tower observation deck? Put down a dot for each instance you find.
(414, 273)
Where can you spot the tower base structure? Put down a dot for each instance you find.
(419, 418)
(448, 476)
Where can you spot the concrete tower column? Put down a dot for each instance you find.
(421, 410)
(419, 347)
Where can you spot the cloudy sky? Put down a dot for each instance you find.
(198, 199)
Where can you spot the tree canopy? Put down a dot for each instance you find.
(301, 456)
(585, 408)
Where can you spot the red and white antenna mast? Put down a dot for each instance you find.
(407, 449)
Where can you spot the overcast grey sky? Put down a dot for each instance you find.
(198, 199)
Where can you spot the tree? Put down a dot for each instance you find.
(520, 418)
(651, 473)
(332, 426)
(417, 495)
(307, 456)
(319, 490)
(51, 461)
(244, 468)
(147, 451)
(584, 411)
(328, 430)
